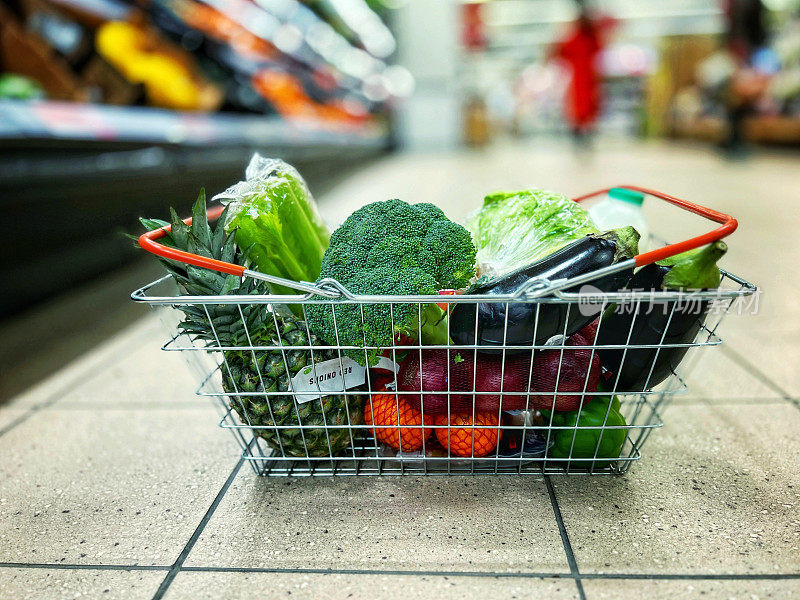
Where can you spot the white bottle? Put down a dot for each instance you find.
(620, 208)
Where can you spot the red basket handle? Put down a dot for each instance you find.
(148, 239)
(729, 225)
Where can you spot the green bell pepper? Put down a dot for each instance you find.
(592, 414)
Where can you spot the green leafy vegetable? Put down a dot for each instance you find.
(514, 229)
(276, 221)
(392, 248)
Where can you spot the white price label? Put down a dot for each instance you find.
(332, 377)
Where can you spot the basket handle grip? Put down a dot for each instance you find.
(148, 242)
(727, 227)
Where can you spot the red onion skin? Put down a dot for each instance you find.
(486, 376)
(571, 370)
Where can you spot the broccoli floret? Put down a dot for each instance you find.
(452, 270)
(391, 248)
(396, 253)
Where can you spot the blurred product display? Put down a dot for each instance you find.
(19, 87)
(739, 89)
(476, 123)
(709, 70)
(168, 73)
(321, 66)
(120, 107)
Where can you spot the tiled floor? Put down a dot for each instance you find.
(116, 483)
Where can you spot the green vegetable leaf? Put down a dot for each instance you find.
(514, 229)
(180, 231)
(199, 225)
(152, 224)
(276, 222)
(695, 269)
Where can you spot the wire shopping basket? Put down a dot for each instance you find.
(300, 406)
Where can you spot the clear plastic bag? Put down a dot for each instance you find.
(515, 229)
(276, 219)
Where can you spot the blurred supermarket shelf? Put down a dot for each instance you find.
(74, 179)
(135, 124)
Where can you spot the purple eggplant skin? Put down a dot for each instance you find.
(640, 369)
(649, 321)
(582, 256)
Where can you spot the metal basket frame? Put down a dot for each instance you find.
(364, 455)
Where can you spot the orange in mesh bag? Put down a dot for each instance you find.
(462, 437)
(401, 422)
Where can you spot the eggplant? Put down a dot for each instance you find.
(640, 369)
(585, 255)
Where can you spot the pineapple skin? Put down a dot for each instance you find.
(326, 420)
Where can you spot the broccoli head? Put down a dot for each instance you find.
(398, 249)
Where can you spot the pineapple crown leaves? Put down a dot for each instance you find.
(200, 238)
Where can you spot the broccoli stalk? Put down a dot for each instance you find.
(433, 331)
(396, 249)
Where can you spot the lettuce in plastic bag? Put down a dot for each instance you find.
(515, 229)
(276, 221)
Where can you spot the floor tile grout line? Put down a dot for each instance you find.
(176, 567)
(695, 576)
(401, 573)
(80, 567)
(518, 574)
(39, 406)
(390, 572)
(92, 372)
(19, 420)
(562, 530)
(759, 374)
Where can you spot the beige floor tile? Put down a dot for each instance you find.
(714, 375)
(148, 377)
(434, 523)
(233, 586)
(81, 370)
(62, 584)
(9, 415)
(618, 589)
(716, 491)
(775, 353)
(128, 371)
(108, 487)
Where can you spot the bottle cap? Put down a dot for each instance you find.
(626, 195)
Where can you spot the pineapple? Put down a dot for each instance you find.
(267, 410)
(259, 372)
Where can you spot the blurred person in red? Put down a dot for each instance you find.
(746, 34)
(579, 50)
